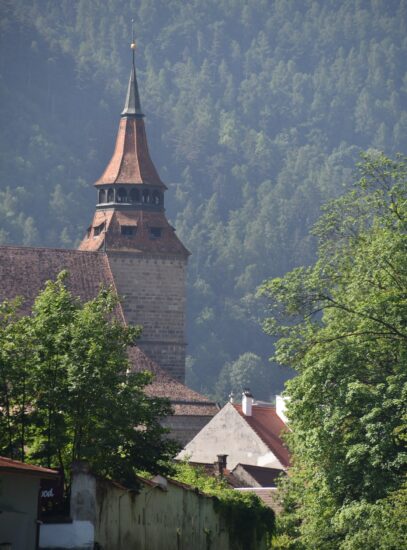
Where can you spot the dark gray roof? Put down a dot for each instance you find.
(132, 106)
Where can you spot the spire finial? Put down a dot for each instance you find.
(133, 44)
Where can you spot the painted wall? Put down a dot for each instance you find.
(171, 519)
(154, 291)
(162, 515)
(228, 433)
(19, 505)
(77, 535)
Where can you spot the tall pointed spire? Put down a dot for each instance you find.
(147, 259)
(132, 106)
(131, 163)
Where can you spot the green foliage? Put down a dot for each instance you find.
(342, 326)
(248, 371)
(67, 392)
(248, 519)
(256, 110)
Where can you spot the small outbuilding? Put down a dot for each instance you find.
(20, 485)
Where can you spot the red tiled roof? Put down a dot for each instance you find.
(184, 400)
(9, 465)
(268, 426)
(24, 272)
(141, 241)
(131, 162)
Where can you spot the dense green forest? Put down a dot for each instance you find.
(256, 113)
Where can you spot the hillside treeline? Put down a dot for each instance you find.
(256, 113)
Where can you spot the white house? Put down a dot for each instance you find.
(249, 434)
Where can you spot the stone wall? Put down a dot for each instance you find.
(154, 295)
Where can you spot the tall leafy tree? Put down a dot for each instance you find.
(68, 392)
(343, 326)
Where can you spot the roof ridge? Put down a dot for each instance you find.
(70, 250)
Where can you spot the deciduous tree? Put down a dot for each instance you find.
(68, 392)
(343, 326)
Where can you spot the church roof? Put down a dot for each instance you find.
(132, 104)
(24, 272)
(183, 399)
(131, 162)
(140, 241)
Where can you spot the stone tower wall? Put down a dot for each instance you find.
(153, 289)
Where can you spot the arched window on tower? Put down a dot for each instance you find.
(121, 195)
(146, 196)
(102, 196)
(110, 195)
(135, 196)
(157, 197)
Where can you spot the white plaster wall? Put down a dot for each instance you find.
(78, 534)
(228, 433)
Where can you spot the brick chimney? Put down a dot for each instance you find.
(247, 402)
(220, 465)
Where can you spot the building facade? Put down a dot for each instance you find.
(131, 247)
(147, 260)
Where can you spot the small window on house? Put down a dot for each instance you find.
(97, 230)
(128, 230)
(155, 232)
(110, 195)
(146, 196)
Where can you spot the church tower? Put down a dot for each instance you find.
(147, 260)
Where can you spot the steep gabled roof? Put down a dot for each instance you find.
(269, 427)
(245, 440)
(24, 272)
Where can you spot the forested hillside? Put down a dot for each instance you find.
(256, 113)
